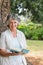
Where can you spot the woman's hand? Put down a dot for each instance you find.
(4, 53)
(14, 53)
(19, 53)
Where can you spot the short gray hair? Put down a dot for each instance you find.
(12, 16)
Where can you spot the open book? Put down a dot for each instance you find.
(18, 50)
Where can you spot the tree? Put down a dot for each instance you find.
(4, 11)
(35, 6)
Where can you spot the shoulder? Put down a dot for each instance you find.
(4, 33)
(20, 32)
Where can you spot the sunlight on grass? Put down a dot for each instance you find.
(35, 45)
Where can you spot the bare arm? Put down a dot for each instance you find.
(4, 53)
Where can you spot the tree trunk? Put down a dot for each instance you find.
(4, 11)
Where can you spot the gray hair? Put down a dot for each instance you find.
(12, 16)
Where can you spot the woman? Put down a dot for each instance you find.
(10, 39)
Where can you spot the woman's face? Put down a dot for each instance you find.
(13, 24)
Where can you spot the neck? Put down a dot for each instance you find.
(13, 30)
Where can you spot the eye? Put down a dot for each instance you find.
(15, 22)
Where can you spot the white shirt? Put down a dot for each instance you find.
(9, 42)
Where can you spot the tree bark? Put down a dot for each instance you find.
(4, 11)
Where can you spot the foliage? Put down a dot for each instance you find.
(33, 32)
(33, 6)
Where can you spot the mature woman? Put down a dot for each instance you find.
(10, 39)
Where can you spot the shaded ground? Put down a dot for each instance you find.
(35, 58)
(35, 61)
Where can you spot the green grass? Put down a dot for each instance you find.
(35, 45)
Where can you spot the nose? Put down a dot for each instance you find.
(13, 23)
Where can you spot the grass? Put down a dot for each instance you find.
(35, 45)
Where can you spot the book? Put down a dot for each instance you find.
(18, 50)
(25, 51)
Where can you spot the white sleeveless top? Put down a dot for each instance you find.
(9, 42)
